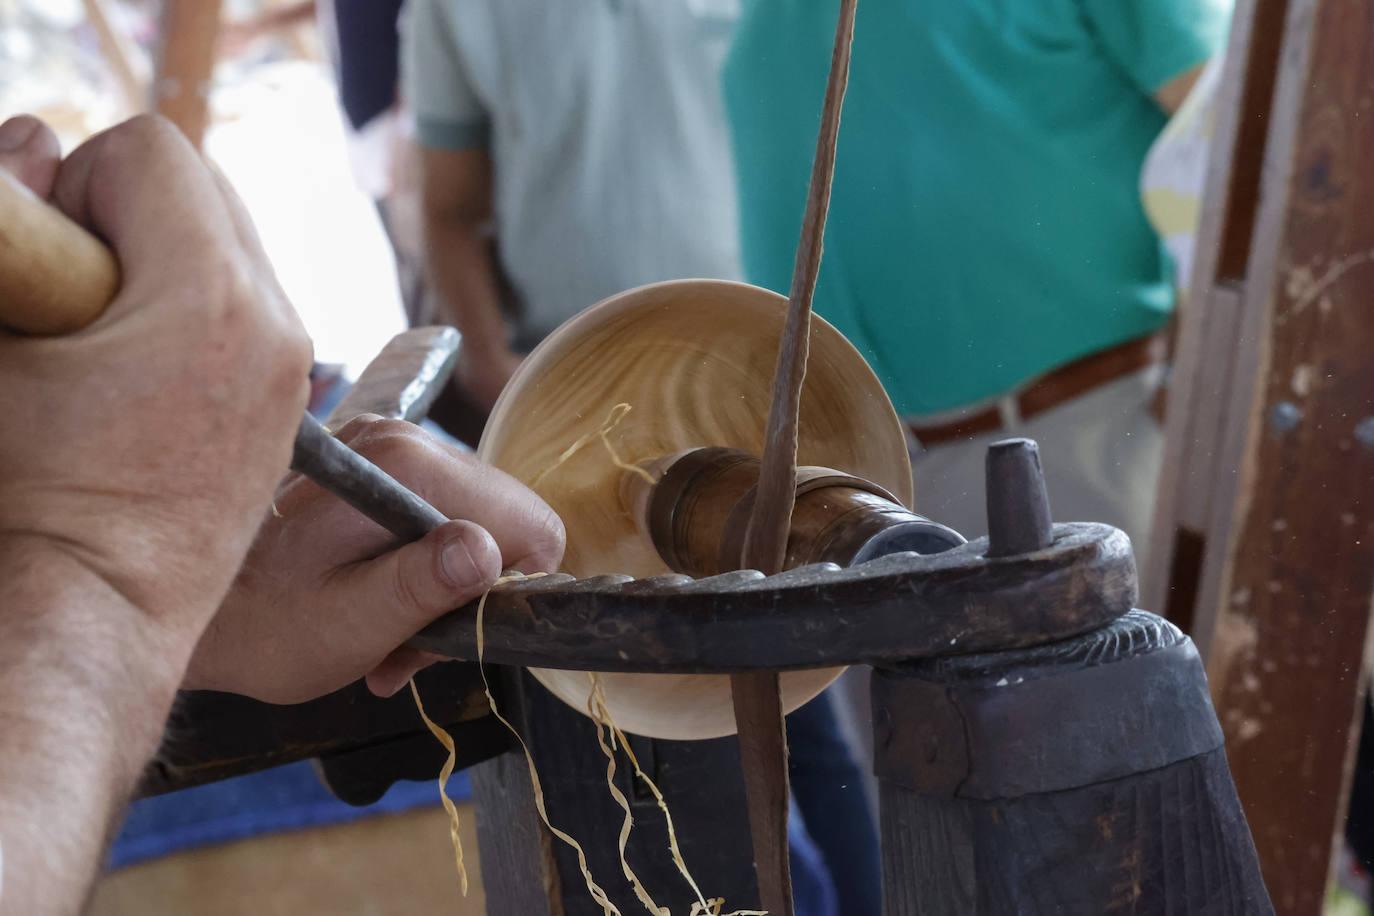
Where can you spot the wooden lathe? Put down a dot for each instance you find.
(1041, 746)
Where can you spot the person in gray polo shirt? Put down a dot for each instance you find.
(587, 140)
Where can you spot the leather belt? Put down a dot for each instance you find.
(1054, 388)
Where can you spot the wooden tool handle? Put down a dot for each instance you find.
(55, 277)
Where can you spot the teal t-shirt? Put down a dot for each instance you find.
(985, 222)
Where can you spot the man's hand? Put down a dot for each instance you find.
(146, 447)
(327, 596)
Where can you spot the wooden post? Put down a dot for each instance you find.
(186, 63)
(1274, 428)
(519, 873)
(1208, 363)
(1085, 776)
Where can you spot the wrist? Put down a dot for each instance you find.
(59, 616)
(86, 684)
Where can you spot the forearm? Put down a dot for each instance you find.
(86, 682)
(464, 277)
(119, 535)
(1173, 93)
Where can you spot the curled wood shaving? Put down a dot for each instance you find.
(596, 891)
(702, 906)
(608, 737)
(596, 709)
(613, 419)
(447, 741)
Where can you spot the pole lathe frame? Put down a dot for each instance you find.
(1067, 760)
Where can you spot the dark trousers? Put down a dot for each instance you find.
(828, 788)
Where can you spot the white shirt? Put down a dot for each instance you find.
(607, 132)
(1172, 178)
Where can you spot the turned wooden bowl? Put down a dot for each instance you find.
(694, 360)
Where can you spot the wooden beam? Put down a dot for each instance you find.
(1268, 492)
(1205, 369)
(185, 64)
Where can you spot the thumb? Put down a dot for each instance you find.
(399, 592)
(30, 152)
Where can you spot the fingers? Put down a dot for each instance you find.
(30, 152)
(365, 595)
(144, 189)
(529, 534)
(395, 595)
(185, 273)
(397, 669)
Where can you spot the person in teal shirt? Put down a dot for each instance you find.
(986, 248)
(985, 221)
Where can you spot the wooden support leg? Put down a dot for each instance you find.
(528, 872)
(1081, 777)
(518, 869)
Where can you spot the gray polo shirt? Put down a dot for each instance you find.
(607, 132)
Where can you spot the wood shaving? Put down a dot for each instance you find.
(703, 906)
(447, 741)
(597, 710)
(598, 894)
(613, 419)
(608, 736)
